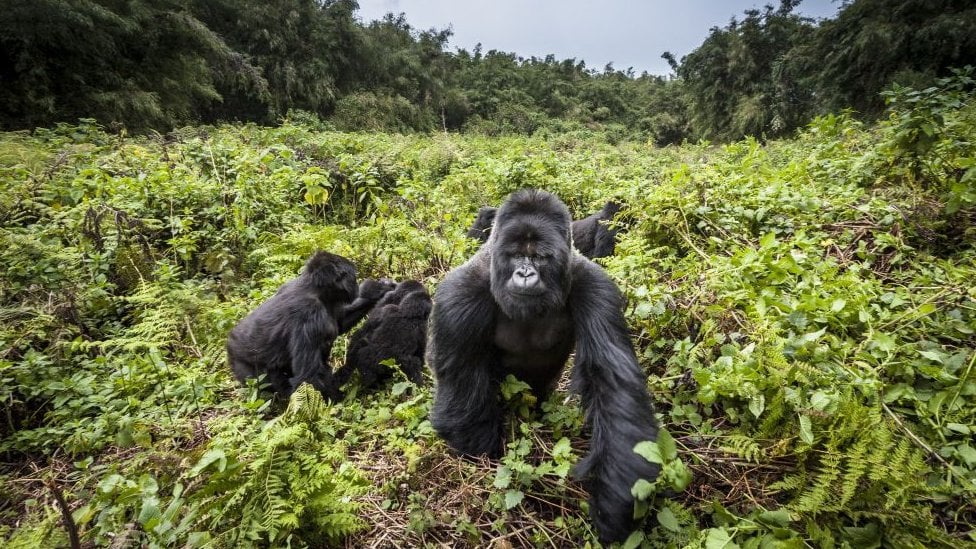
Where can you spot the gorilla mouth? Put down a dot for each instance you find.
(527, 292)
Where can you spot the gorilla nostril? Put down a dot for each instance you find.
(525, 274)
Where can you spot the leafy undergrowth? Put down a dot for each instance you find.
(804, 309)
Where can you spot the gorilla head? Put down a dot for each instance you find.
(530, 272)
(481, 228)
(332, 276)
(591, 236)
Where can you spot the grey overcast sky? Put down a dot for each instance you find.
(630, 33)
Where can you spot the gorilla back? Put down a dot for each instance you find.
(520, 306)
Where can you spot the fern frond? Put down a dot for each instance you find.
(743, 446)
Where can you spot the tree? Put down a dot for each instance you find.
(146, 64)
(737, 81)
(872, 44)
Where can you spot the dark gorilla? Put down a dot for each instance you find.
(397, 329)
(481, 229)
(520, 306)
(591, 236)
(289, 337)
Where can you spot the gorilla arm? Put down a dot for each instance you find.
(466, 411)
(309, 347)
(370, 292)
(614, 394)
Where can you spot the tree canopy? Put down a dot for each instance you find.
(158, 65)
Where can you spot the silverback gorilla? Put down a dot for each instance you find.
(289, 337)
(397, 329)
(590, 235)
(520, 306)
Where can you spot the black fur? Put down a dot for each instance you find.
(520, 306)
(590, 235)
(397, 329)
(289, 337)
(481, 229)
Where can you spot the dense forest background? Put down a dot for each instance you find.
(160, 64)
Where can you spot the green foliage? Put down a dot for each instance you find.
(925, 144)
(144, 64)
(738, 80)
(770, 72)
(291, 480)
(872, 44)
(804, 309)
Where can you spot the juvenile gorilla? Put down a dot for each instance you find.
(481, 229)
(289, 337)
(397, 329)
(590, 235)
(520, 306)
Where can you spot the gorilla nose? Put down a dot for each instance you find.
(525, 277)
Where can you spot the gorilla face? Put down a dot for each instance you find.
(530, 255)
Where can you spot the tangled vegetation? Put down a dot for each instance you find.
(805, 309)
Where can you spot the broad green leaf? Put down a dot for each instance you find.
(401, 387)
(780, 517)
(634, 540)
(562, 448)
(809, 337)
(667, 520)
(806, 430)
(967, 453)
(757, 404)
(718, 538)
(666, 444)
(649, 451)
(642, 489)
(883, 341)
(513, 498)
(503, 478)
(214, 455)
(819, 400)
(682, 475)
